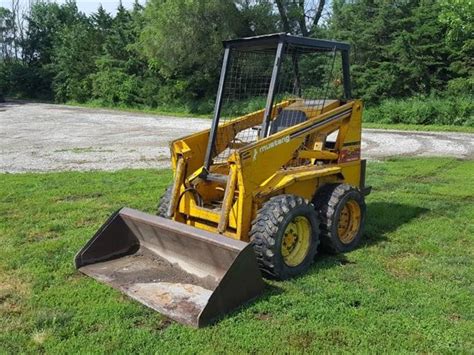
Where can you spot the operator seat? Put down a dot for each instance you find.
(287, 118)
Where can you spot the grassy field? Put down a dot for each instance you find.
(409, 288)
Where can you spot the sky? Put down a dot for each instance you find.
(86, 6)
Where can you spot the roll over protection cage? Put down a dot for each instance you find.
(277, 42)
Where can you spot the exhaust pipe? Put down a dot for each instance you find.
(187, 274)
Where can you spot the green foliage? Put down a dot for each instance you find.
(30, 81)
(4, 80)
(182, 36)
(457, 111)
(258, 17)
(183, 39)
(459, 16)
(72, 71)
(461, 86)
(408, 289)
(167, 53)
(44, 23)
(397, 51)
(7, 34)
(113, 87)
(237, 108)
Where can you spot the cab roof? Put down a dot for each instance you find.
(271, 41)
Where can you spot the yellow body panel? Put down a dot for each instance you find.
(295, 160)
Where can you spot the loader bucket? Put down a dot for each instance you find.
(185, 273)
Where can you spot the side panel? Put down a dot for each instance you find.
(261, 160)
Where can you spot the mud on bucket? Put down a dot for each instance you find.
(185, 273)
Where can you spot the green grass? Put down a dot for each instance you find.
(419, 127)
(408, 288)
(175, 111)
(453, 110)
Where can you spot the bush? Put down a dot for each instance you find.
(148, 92)
(460, 86)
(75, 89)
(114, 87)
(29, 82)
(4, 81)
(235, 108)
(455, 110)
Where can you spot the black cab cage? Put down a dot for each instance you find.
(272, 40)
(280, 44)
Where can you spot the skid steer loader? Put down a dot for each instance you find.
(277, 176)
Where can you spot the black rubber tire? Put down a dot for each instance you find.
(329, 201)
(164, 202)
(266, 235)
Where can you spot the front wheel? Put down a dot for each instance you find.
(285, 236)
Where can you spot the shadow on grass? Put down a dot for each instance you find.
(383, 218)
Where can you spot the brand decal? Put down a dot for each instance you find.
(270, 145)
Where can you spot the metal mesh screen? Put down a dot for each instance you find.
(245, 91)
(307, 79)
(310, 80)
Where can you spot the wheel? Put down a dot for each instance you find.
(164, 202)
(341, 209)
(285, 236)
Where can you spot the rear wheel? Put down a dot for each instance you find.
(285, 236)
(164, 202)
(342, 212)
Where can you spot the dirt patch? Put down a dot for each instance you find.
(264, 316)
(404, 266)
(145, 267)
(156, 283)
(12, 294)
(301, 341)
(153, 268)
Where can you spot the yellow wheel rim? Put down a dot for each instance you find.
(296, 241)
(349, 222)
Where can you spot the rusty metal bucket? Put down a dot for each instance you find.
(185, 273)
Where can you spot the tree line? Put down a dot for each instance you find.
(167, 53)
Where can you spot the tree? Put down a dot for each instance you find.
(396, 47)
(183, 40)
(102, 24)
(44, 23)
(7, 34)
(74, 60)
(300, 16)
(458, 16)
(122, 70)
(168, 52)
(257, 17)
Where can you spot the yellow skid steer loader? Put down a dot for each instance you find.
(276, 177)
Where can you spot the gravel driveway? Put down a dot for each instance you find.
(38, 137)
